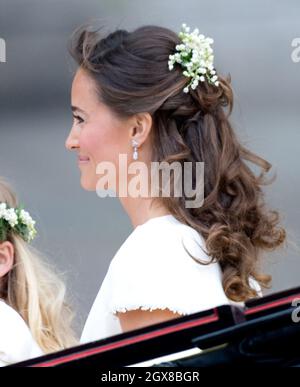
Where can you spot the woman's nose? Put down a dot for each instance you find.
(71, 141)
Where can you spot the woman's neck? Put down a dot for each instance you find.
(140, 210)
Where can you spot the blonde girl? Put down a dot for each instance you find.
(34, 317)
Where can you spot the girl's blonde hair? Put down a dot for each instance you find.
(34, 290)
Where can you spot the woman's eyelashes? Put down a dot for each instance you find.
(78, 119)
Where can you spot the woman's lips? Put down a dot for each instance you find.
(83, 159)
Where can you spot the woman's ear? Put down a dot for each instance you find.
(7, 252)
(141, 128)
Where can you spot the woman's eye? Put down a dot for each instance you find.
(78, 119)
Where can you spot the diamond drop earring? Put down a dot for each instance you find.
(135, 151)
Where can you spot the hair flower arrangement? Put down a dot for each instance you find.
(195, 55)
(18, 220)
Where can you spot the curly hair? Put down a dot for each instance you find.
(130, 70)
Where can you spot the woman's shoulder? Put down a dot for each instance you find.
(160, 247)
(155, 269)
(164, 234)
(16, 341)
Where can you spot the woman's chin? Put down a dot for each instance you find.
(87, 184)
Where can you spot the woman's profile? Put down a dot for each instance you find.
(155, 96)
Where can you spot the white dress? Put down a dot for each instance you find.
(16, 341)
(152, 270)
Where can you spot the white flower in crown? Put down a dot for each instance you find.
(19, 220)
(2, 209)
(11, 217)
(26, 218)
(195, 55)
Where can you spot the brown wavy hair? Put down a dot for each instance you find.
(131, 72)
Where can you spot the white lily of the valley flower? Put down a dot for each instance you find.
(196, 57)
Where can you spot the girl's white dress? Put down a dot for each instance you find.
(16, 341)
(152, 270)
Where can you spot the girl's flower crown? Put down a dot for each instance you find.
(195, 56)
(17, 220)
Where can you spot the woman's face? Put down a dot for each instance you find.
(97, 134)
